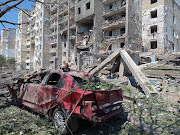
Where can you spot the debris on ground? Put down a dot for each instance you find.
(160, 112)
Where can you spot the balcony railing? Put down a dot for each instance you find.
(113, 22)
(53, 50)
(115, 10)
(112, 38)
(53, 41)
(52, 58)
(65, 18)
(53, 16)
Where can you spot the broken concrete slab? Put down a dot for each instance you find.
(137, 73)
(110, 58)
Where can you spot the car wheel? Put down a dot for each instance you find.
(59, 117)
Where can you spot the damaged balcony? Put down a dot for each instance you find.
(113, 24)
(63, 30)
(53, 50)
(108, 39)
(52, 58)
(53, 41)
(114, 11)
(53, 16)
(64, 19)
(53, 25)
(108, 1)
(53, 8)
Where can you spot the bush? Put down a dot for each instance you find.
(2, 61)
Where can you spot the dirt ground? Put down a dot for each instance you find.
(162, 113)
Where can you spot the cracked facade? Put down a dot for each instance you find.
(61, 30)
(160, 26)
(21, 36)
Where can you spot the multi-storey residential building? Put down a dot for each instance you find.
(38, 34)
(30, 40)
(63, 29)
(8, 43)
(88, 17)
(122, 25)
(160, 26)
(21, 47)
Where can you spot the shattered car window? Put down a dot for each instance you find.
(55, 79)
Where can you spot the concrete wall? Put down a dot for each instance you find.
(172, 31)
(147, 36)
(133, 25)
(82, 5)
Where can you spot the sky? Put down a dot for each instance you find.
(12, 15)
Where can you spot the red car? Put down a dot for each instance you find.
(59, 95)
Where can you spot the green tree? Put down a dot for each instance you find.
(11, 61)
(2, 61)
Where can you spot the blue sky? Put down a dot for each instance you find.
(13, 14)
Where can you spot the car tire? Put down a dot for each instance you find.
(59, 117)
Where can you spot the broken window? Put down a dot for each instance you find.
(110, 33)
(55, 79)
(122, 30)
(79, 10)
(153, 1)
(124, 15)
(87, 5)
(154, 29)
(122, 45)
(110, 7)
(154, 14)
(153, 44)
(110, 47)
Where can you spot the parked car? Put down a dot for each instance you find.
(59, 94)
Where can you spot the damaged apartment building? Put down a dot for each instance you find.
(115, 24)
(160, 26)
(7, 44)
(63, 31)
(37, 41)
(21, 47)
(74, 31)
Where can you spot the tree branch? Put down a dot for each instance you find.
(9, 8)
(3, 21)
(2, 4)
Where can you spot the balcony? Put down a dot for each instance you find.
(113, 24)
(27, 49)
(108, 1)
(53, 8)
(33, 41)
(53, 25)
(113, 38)
(52, 58)
(72, 5)
(114, 11)
(28, 43)
(63, 30)
(53, 16)
(73, 37)
(63, 9)
(53, 41)
(28, 61)
(53, 50)
(28, 55)
(64, 19)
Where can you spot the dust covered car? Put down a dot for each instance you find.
(67, 96)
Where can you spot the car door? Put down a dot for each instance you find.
(29, 92)
(47, 92)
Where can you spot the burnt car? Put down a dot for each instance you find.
(60, 96)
